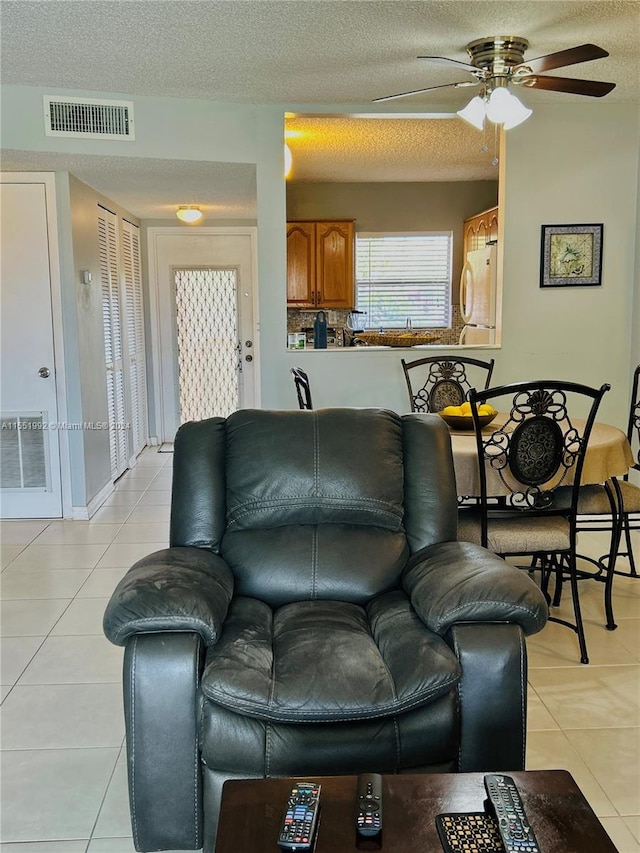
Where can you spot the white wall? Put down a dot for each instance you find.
(165, 128)
(635, 309)
(569, 163)
(572, 165)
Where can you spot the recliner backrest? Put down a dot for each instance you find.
(341, 466)
(313, 504)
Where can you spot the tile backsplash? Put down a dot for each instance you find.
(299, 318)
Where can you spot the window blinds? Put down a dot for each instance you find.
(404, 276)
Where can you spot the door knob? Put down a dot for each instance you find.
(44, 373)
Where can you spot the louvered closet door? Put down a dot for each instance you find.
(108, 240)
(134, 331)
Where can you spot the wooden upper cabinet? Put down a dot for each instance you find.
(482, 233)
(334, 264)
(480, 230)
(469, 237)
(320, 264)
(493, 226)
(301, 263)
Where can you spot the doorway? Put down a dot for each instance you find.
(31, 433)
(204, 340)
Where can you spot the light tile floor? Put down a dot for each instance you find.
(64, 784)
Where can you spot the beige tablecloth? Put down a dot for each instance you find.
(608, 455)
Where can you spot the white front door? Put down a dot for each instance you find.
(203, 288)
(29, 426)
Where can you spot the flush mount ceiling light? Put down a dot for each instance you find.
(190, 213)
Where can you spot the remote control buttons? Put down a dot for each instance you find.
(369, 802)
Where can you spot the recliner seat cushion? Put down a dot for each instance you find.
(324, 661)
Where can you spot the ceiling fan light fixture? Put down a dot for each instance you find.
(190, 213)
(520, 114)
(474, 112)
(504, 108)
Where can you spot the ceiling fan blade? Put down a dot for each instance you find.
(464, 84)
(444, 60)
(593, 88)
(571, 56)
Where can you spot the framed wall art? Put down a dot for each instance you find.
(571, 255)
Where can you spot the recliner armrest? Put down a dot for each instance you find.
(454, 582)
(176, 589)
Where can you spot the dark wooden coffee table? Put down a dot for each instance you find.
(562, 819)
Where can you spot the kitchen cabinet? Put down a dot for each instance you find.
(480, 230)
(320, 264)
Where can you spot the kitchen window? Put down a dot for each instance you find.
(402, 277)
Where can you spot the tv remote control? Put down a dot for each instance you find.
(504, 801)
(369, 806)
(301, 817)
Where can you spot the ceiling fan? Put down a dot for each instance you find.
(496, 62)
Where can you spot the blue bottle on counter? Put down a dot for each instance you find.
(320, 331)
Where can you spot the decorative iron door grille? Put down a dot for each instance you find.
(207, 335)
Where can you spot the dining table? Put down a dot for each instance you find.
(608, 455)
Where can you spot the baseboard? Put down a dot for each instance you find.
(84, 513)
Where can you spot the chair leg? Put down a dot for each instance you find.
(573, 579)
(624, 523)
(608, 590)
(566, 565)
(610, 563)
(557, 590)
(542, 562)
(627, 535)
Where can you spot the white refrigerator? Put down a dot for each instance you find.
(478, 285)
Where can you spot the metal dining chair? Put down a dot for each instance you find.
(303, 389)
(441, 381)
(539, 448)
(629, 493)
(595, 509)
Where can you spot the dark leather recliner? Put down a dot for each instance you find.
(314, 615)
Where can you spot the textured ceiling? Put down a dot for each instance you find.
(296, 51)
(299, 53)
(153, 189)
(365, 149)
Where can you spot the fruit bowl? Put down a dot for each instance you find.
(465, 422)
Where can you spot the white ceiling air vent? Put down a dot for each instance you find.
(88, 118)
